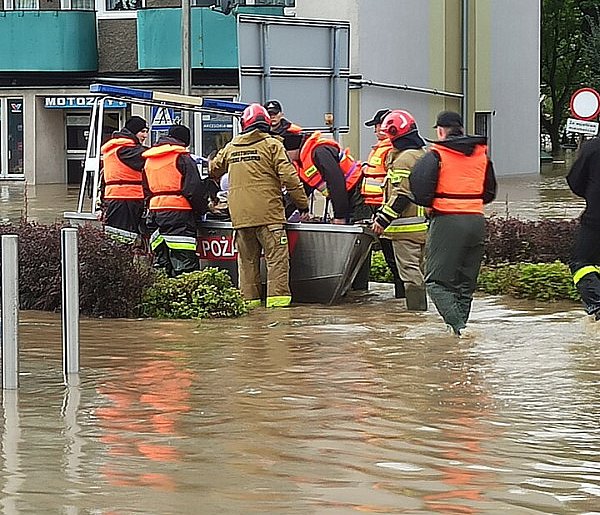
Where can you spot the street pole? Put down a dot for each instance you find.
(186, 61)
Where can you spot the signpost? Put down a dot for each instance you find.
(585, 107)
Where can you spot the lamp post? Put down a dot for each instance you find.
(186, 61)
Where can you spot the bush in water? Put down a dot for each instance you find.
(208, 293)
(535, 281)
(510, 240)
(380, 271)
(111, 280)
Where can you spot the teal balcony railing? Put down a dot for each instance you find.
(48, 41)
(213, 36)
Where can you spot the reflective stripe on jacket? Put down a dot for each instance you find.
(122, 182)
(374, 173)
(461, 180)
(164, 179)
(310, 174)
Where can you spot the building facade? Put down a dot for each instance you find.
(427, 55)
(477, 57)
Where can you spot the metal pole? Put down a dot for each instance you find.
(70, 301)
(465, 63)
(10, 312)
(186, 60)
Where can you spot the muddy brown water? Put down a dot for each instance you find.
(360, 407)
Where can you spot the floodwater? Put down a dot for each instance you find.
(355, 408)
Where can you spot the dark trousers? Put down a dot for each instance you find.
(585, 267)
(453, 254)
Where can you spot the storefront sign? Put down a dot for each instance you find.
(80, 103)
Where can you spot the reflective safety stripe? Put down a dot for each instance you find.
(387, 210)
(156, 239)
(120, 234)
(279, 302)
(254, 303)
(180, 242)
(406, 228)
(397, 174)
(582, 272)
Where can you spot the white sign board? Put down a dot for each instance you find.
(582, 126)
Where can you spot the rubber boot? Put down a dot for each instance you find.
(399, 292)
(416, 298)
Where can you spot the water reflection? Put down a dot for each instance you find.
(355, 408)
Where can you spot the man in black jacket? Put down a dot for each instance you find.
(584, 181)
(454, 179)
(178, 197)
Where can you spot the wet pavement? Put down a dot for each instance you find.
(361, 407)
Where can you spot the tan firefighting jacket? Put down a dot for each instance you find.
(411, 223)
(258, 168)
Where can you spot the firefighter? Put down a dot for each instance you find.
(372, 190)
(399, 219)
(258, 169)
(177, 198)
(584, 181)
(280, 125)
(122, 193)
(455, 179)
(323, 165)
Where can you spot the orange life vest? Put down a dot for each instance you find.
(375, 172)
(122, 182)
(461, 180)
(311, 175)
(164, 179)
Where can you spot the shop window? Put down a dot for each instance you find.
(11, 138)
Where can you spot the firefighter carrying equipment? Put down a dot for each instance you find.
(460, 187)
(311, 175)
(375, 172)
(122, 182)
(164, 179)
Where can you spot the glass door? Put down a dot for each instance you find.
(11, 138)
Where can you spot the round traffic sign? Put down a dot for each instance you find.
(585, 104)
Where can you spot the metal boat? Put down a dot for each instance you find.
(324, 259)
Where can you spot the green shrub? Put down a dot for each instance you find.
(380, 271)
(535, 281)
(208, 293)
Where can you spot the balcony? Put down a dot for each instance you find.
(213, 35)
(48, 41)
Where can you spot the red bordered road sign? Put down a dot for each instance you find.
(585, 104)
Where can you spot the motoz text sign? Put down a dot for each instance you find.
(582, 126)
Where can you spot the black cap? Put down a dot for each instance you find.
(293, 140)
(136, 124)
(448, 119)
(378, 117)
(273, 107)
(181, 133)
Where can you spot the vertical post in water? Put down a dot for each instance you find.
(10, 312)
(70, 301)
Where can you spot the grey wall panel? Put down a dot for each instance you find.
(515, 86)
(117, 43)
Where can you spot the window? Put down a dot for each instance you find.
(11, 137)
(118, 8)
(483, 126)
(123, 5)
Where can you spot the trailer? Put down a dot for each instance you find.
(324, 258)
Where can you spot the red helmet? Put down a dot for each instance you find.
(254, 113)
(398, 123)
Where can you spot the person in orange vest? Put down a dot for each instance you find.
(279, 124)
(177, 198)
(398, 218)
(121, 186)
(454, 179)
(372, 190)
(324, 166)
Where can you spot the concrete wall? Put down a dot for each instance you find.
(515, 87)
(117, 45)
